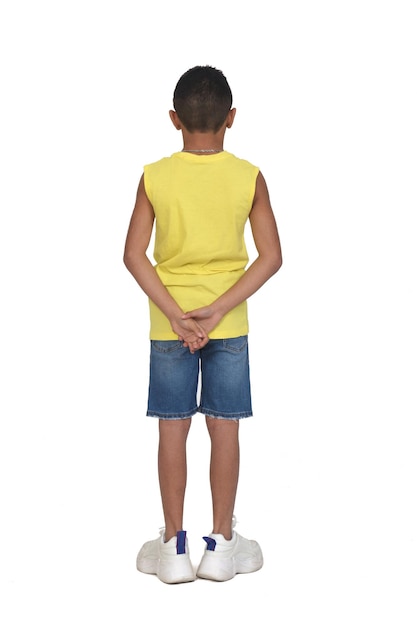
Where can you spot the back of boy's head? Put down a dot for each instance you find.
(202, 99)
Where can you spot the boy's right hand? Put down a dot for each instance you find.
(192, 335)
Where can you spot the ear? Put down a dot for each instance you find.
(175, 120)
(230, 118)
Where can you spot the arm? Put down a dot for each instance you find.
(267, 263)
(138, 264)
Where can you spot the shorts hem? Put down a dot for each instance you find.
(172, 416)
(225, 416)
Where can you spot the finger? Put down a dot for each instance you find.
(190, 314)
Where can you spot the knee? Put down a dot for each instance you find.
(174, 428)
(219, 426)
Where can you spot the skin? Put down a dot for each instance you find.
(193, 329)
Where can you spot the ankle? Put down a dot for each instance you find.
(226, 531)
(170, 532)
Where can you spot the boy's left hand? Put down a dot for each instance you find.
(206, 316)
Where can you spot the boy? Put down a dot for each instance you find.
(200, 199)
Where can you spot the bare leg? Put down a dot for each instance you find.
(224, 472)
(172, 468)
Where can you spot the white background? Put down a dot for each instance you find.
(326, 99)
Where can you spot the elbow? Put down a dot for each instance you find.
(271, 263)
(135, 262)
(276, 263)
(127, 259)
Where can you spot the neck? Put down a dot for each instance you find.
(203, 143)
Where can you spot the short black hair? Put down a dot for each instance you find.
(202, 99)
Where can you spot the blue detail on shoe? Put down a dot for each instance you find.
(211, 543)
(181, 535)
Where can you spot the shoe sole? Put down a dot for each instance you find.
(170, 571)
(220, 570)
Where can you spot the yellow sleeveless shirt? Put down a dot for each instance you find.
(201, 206)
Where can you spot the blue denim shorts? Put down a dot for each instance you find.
(225, 383)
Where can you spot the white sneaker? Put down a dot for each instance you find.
(223, 559)
(170, 561)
